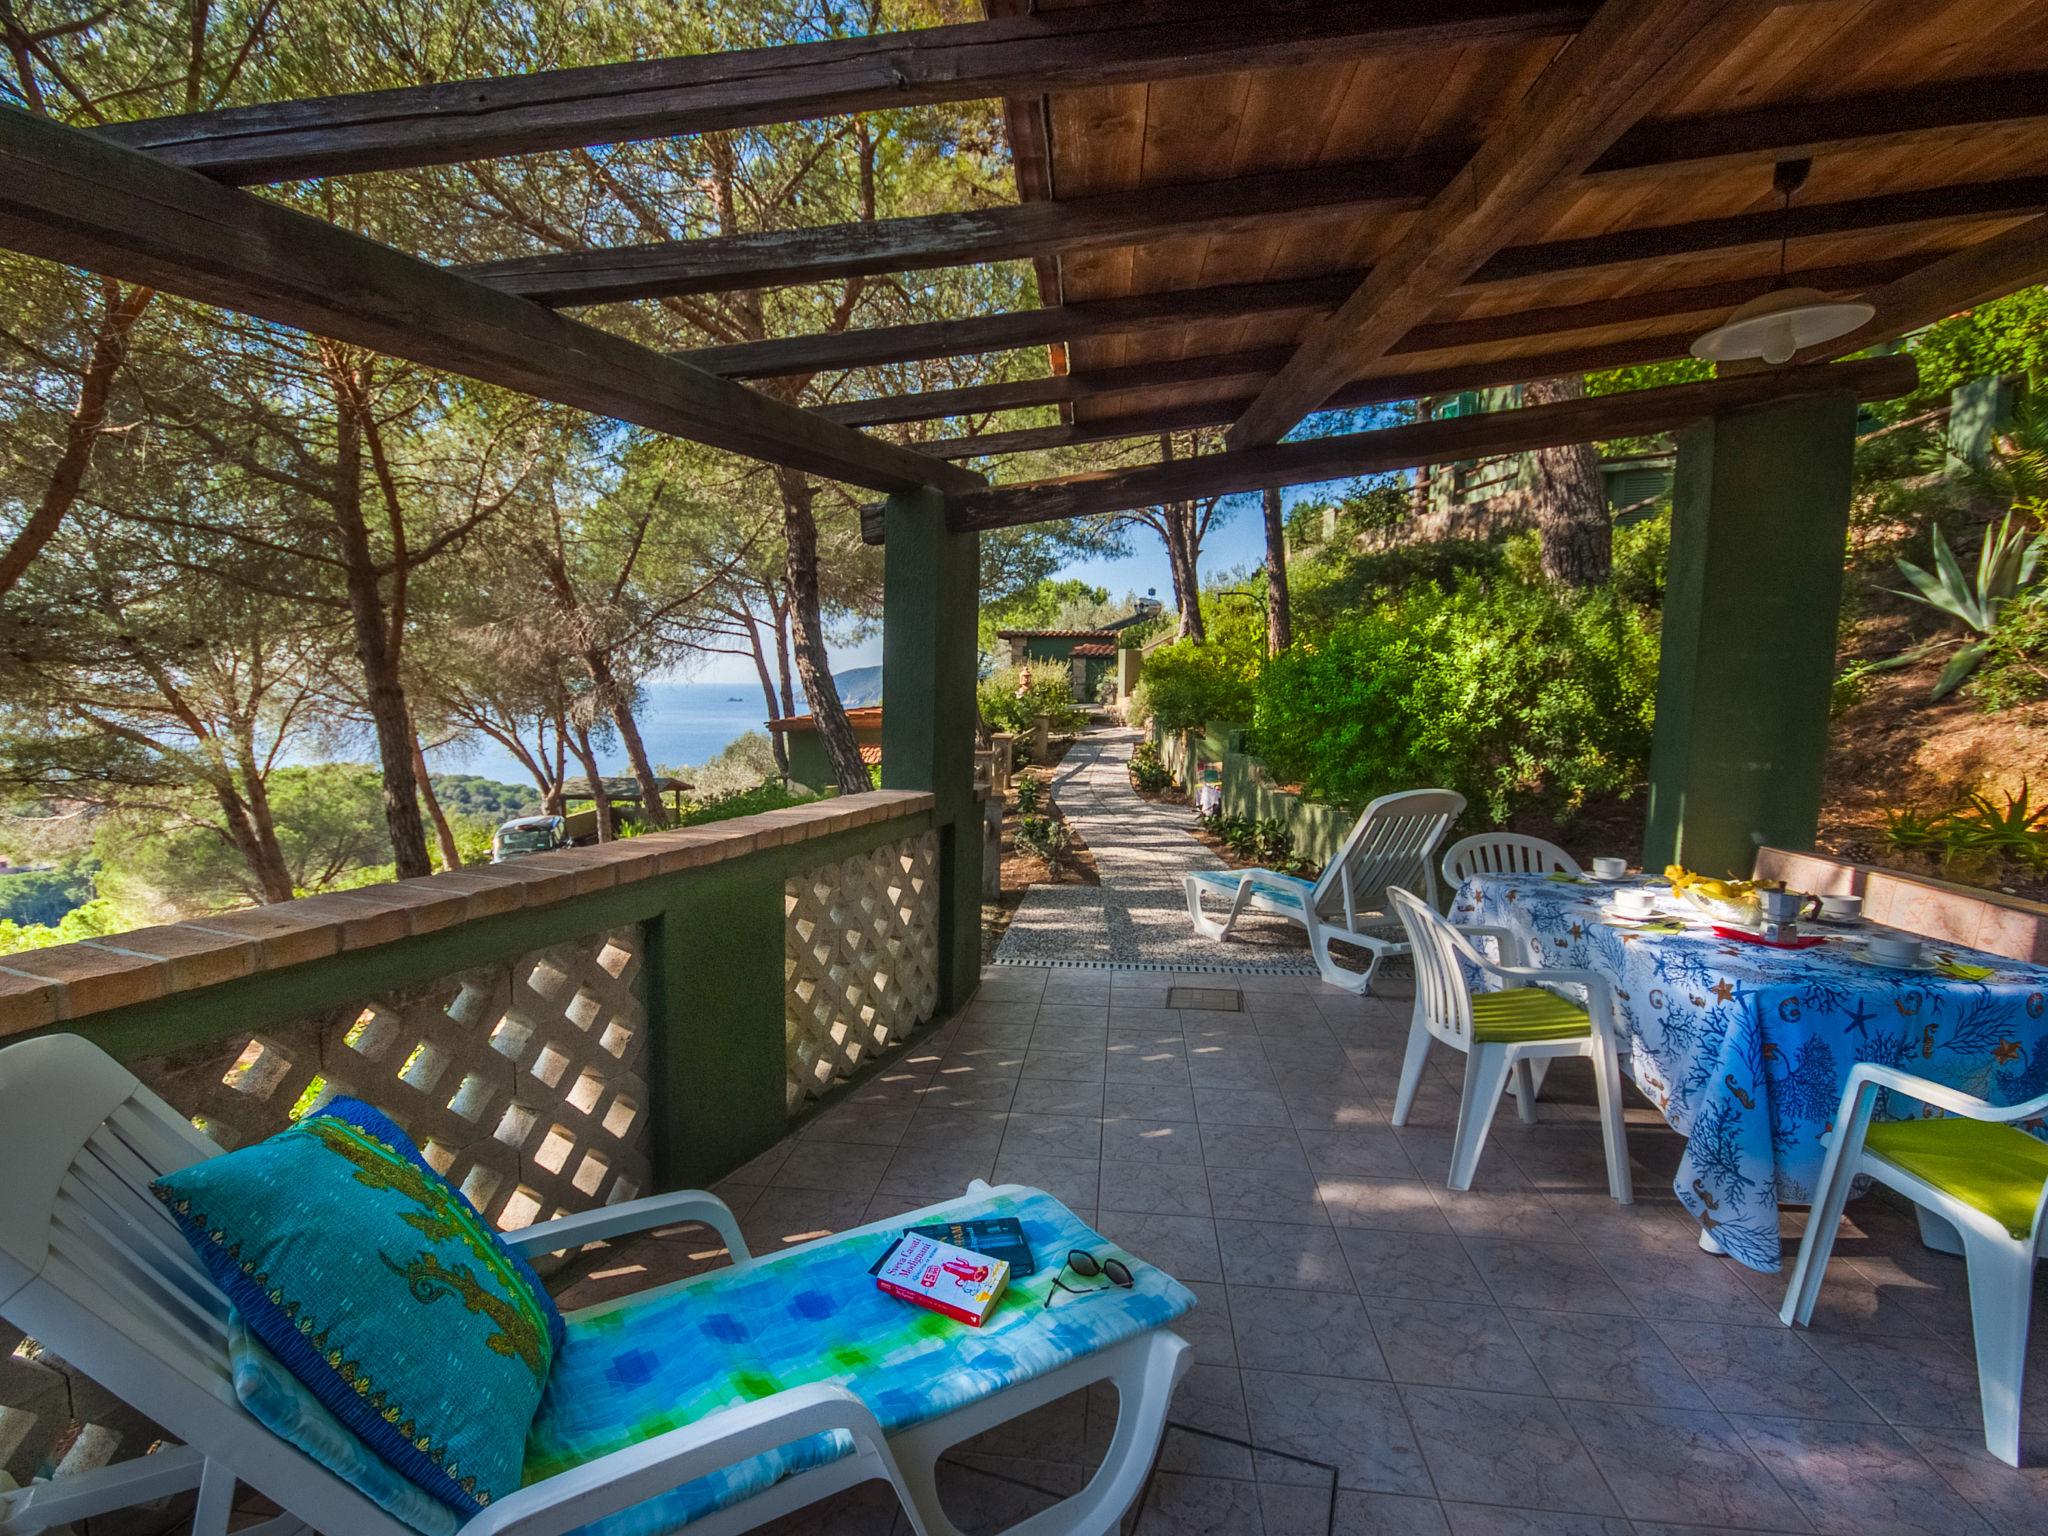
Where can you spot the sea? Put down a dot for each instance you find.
(682, 723)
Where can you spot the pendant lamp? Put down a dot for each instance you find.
(1775, 325)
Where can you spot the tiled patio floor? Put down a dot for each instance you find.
(1527, 1357)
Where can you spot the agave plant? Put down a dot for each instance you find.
(2007, 563)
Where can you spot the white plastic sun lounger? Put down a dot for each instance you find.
(92, 1266)
(1392, 846)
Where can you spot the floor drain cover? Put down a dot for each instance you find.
(1215, 999)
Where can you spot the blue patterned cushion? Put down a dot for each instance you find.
(285, 1408)
(377, 1285)
(1281, 890)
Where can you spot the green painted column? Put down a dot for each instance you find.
(1759, 525)
(931, 591)
(717, 1067)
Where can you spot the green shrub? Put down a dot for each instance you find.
(1517, 695)
(1007, 706)
(1030, 792)
(1148, 769)
(94, 920)
(770, 796)
(1190, 684)
(1045, 837)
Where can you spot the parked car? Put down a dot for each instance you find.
(528, 834)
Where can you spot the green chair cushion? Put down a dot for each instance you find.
(1526, 1013)
(1998, 1169)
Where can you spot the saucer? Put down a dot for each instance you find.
(1864, 957)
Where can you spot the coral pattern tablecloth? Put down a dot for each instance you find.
(1746, 1049)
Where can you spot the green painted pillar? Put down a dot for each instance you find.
(717, 1068)
(1759, 526)
(931, 592)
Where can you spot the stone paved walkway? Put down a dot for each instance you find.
(1138, 915)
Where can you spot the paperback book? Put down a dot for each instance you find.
(960, 1284)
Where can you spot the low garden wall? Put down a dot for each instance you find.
(557, 1033)
(1249, 793)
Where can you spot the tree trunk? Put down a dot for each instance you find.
(610, 691)
(775, 741)
(1279, 627)
(81, 433)
(813, 662)
(607, 829)
(260, 853)
(451, 856)
(382, 688)
(1568, 499)
(1183, 564)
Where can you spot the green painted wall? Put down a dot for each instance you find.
(930, 601)
(1759, 524)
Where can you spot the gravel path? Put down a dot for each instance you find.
(1138, 914)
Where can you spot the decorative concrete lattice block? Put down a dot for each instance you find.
(521, 1082)
(862, 964)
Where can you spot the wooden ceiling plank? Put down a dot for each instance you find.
(613, 103)
(1619, 67)
(69, 196)
(1978, 273)
(1314, 460)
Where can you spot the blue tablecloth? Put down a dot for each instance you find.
(1746, 1049)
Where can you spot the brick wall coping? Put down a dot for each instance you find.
(71, 981)
(1991, 921)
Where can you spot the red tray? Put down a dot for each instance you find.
(1744, 936)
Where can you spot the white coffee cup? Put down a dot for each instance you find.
(1893, 949)
(1841, 906)
(1610, 869)
(1634, 901)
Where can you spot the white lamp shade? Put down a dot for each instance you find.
(1777, 324)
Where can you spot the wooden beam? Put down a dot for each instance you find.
(1122, 218)
(72, 197)
(1481, 330)
(1378, 390)
(614, 103)
(1129, 316)
(2011, 195)
(1314, 460)
(1976, 274)
(1139, 314)
(771, 258)
(1871, 121)
(1627, 59)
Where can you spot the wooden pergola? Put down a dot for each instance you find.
(1239, 214)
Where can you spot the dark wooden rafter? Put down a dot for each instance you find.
(1431, 442)
(1630, 56)
(614, 103)
(1142, 313)
(1378, 390)
(72, 197)
(1012, 231)
(880, 345)
(1551, 321)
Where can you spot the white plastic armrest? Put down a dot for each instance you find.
(653, 1467)
(1505, 937)
(1871, 1074)
(677, 1206)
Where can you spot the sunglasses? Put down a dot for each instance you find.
(1088, 1267)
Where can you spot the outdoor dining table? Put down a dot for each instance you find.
(1746, 1048)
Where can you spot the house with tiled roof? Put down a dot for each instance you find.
(1086, 653)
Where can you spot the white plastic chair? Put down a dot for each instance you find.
(92, 1266)
(1389, 849)
(1980, 1187)
(1503, 1034)
(1505, 853)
